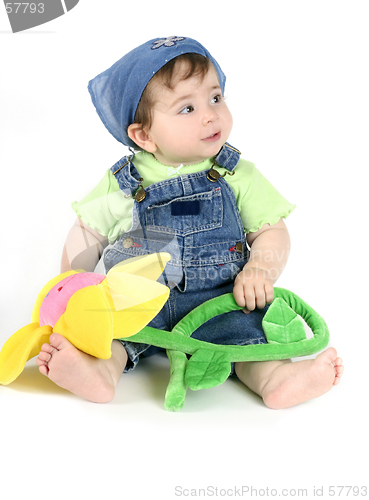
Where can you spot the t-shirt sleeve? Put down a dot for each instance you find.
(261, 203)
(105, 207)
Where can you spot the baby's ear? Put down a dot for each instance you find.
(140, 137)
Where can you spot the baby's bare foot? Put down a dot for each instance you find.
(294, 383)
(75, 370)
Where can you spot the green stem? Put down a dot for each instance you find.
(176, 390)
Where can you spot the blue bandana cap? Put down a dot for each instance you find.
(117, 91)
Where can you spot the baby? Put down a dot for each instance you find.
(186, 191)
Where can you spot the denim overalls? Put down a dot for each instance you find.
(193, 217)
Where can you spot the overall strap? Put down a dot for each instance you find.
(228, 157)
(129, 179)
(126, 174)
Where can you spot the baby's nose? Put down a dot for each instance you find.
(210, 116)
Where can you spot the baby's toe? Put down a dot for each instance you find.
(339, 370)
(47, 348)
(44, 356)
(56, 340)
(329, 356)
(338, 362)
(43, 369)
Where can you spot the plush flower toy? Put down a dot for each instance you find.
(91, 310)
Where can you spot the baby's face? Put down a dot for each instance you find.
(191, 122)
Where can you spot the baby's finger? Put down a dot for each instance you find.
(260, 296)
(269, 293)
(249, 293)
(239, 295)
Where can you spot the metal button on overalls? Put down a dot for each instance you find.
(127, 243)
(239, 247)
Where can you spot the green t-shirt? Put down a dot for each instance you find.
(107, 210)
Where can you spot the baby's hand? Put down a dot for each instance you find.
(253, 288)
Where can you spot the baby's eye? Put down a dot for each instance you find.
(217, 98)
(187, 109)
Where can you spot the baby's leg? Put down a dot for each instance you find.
(282, 384)
(92, 378)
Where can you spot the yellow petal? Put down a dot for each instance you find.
(88, 322)
(129, 321)
(128, 290)
(19, 348)
(149, 266)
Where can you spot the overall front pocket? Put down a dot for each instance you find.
(187, 214)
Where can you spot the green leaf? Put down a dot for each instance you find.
(207, 369)
(282, 325)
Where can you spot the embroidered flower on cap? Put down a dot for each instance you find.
(170, 41)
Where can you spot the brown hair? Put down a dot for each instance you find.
(197, 65)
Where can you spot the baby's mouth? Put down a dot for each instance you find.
(213, 137)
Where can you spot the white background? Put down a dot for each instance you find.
(297, 84)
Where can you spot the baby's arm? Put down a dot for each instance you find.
(269, 251)
(83, 248)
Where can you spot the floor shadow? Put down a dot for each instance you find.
(32, 381)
